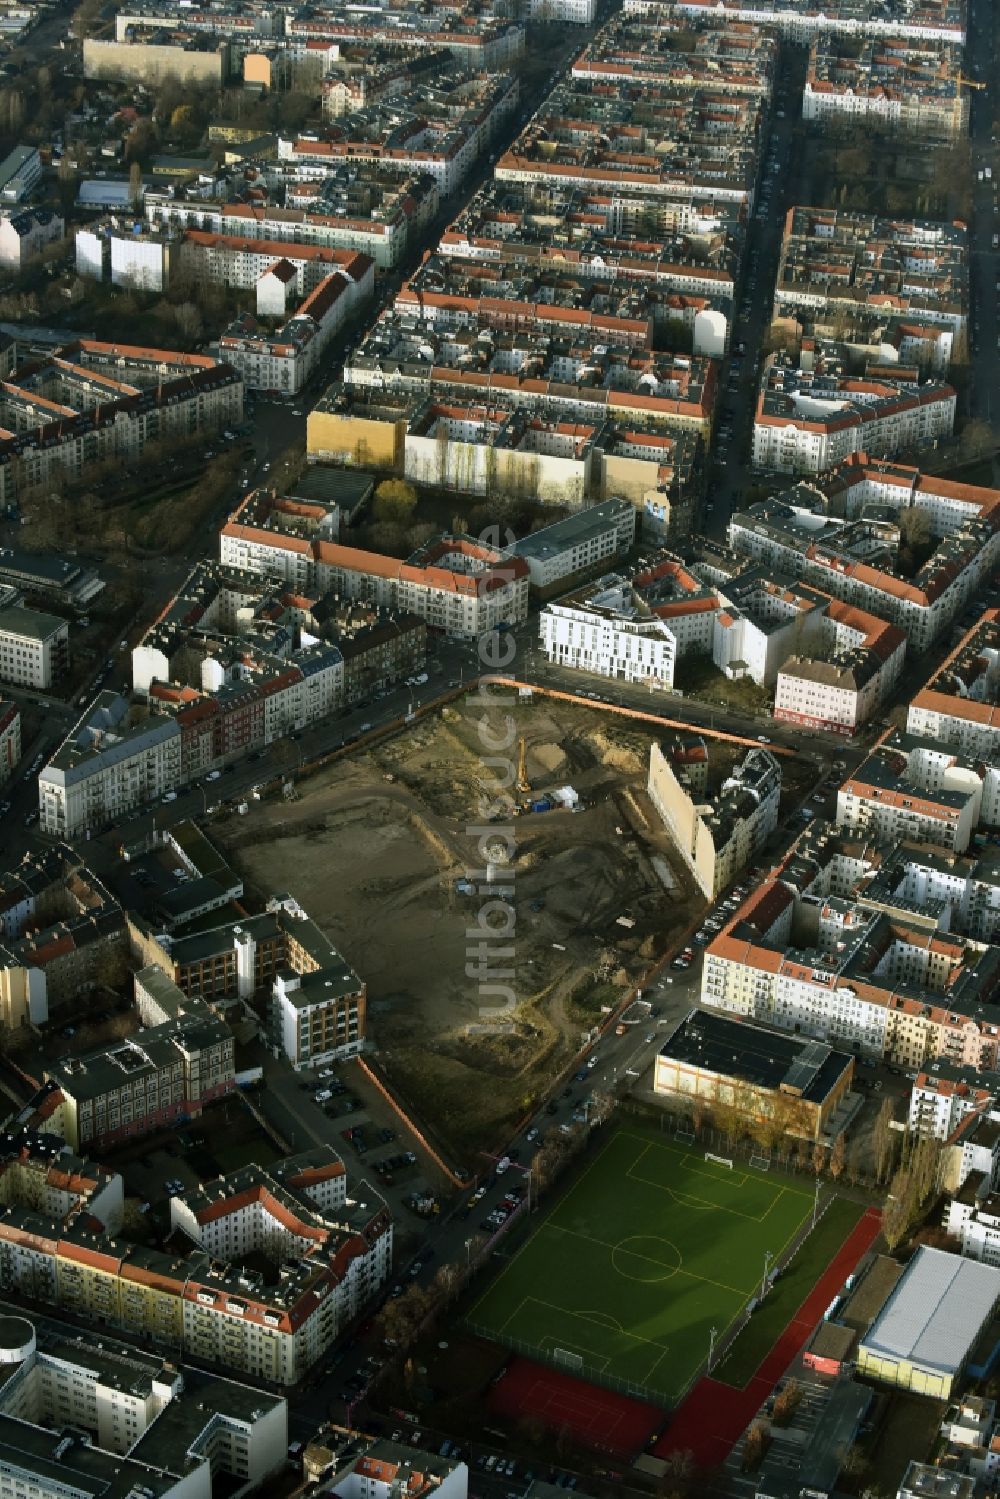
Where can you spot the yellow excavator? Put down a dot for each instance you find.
(522, 783)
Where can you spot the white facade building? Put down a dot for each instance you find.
(81, 1416)
(576, 545)
(106, 768)
(918, 790)
(606, 630)
(285, 359)
(25, 234)
(34, 647)
(565, 12)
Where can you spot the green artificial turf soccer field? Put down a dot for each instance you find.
(652, 1247)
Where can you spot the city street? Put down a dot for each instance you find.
(779, 187)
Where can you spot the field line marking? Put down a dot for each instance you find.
(680, 1270)
(655, 1365)
(588, 1317)
(699, 1204)
(604, 1244)
(677, 1150)
(548, 1221)
(552, 1217)
(515, 1313)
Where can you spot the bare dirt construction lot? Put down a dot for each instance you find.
(375, 849)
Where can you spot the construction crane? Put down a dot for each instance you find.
(523, 784)
(969, 82)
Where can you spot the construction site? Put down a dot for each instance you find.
(409, 850)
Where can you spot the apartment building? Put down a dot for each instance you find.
(441, 130)
(330, 1253)
(856, 266)
(233, 663)
(386, 1468)
(863, 661)
(25, 234)
(155, 1079)
(484, 38)
(93, 401)
(284, 359)
(944, 1096)
(607, 629)
(806, 953)
(717, 836)
(826, 534)
(632, 629)
(457, 585)
(34, 647)
(659, 47)
(150, 54)
(960, 704)
(972, 1436)
(921, 791)
(590, 136)
(59, 927)
(378, 71)
(112, 250)
(317, 1001)
(930, 20)
(338, 1257)
(238, 262)
(909, 86)
(713, 1060)
(380, 647)
(20, 171)
(811, 414)
(40, 1173)
(358, 207)
(83, 1416)
(566, 12)
(504, 222)
(10, 738)
(110, 763)
(560, 554)
(972, 1217)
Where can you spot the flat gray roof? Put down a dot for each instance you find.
(30, 624)
(572, 529)
(936, 1312)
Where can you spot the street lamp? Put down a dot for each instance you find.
(815, 1203)
(713, 1333)
(768, 1260)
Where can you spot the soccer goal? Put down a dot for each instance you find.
(567, 1359)
(720, 1160)
(684, 1136)
(762, 1162)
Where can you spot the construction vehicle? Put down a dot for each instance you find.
(522, 783)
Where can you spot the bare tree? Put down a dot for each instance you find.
(884, 1141)
(838, 1156)
(898, 1213)
(755, 1444)
(787, 1403)
(922, 1164)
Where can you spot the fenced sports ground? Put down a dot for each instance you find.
(654, 1246)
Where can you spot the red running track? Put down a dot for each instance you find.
(595, 1417)
(714, 1416)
